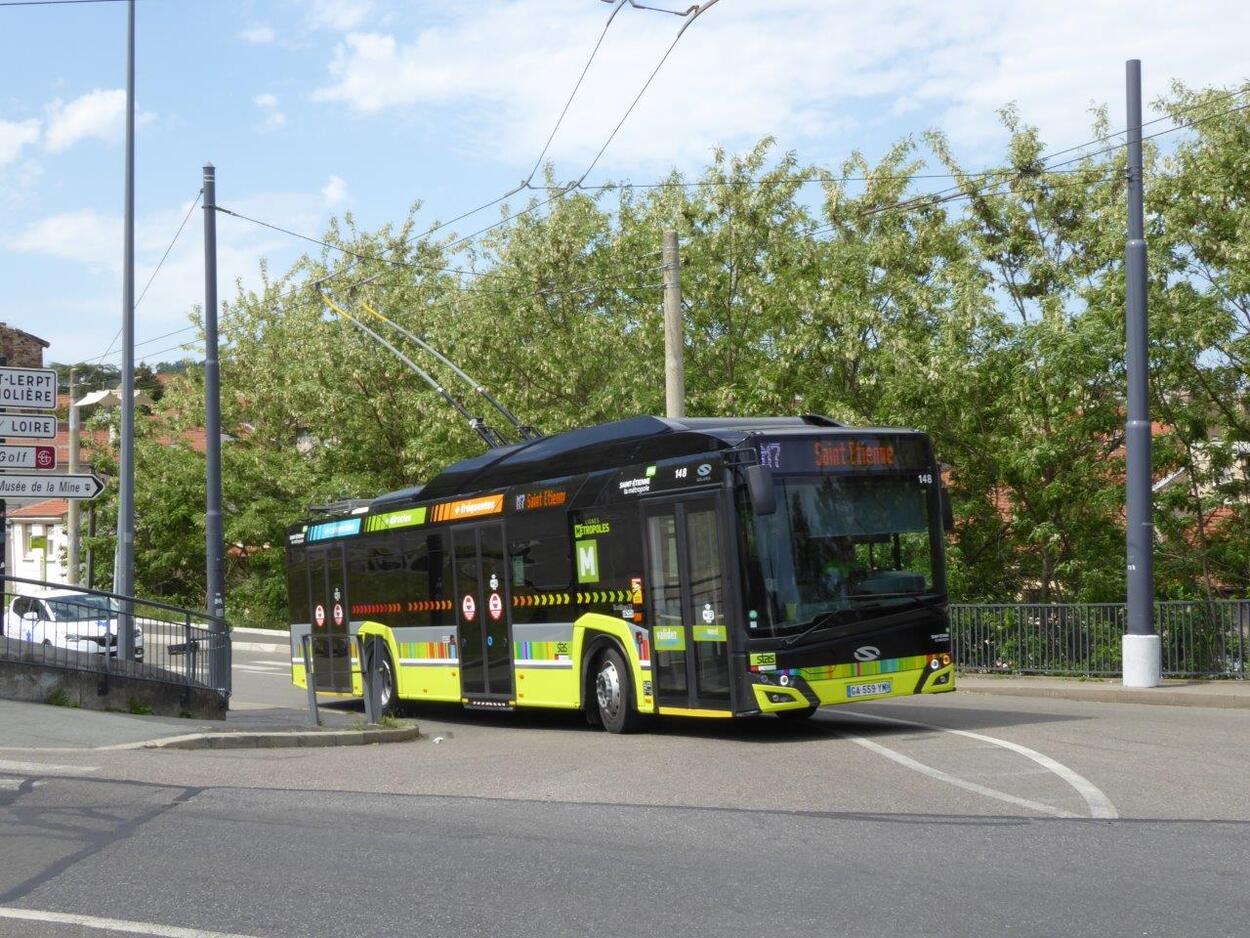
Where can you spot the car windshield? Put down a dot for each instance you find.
(838, 545)
(80, 607)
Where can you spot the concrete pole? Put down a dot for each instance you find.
(1141, 646)
(674, 342)
(125, 579)
(214, 536)
(74, 510)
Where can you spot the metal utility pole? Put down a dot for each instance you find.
(125, 579)
(74, 512)
(214, 537)
(674, 348)
(1141, 646)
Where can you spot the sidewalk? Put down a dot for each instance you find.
(1172, 693)
(41, 726)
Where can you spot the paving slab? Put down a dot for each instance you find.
(45, 727)
(1231, 694)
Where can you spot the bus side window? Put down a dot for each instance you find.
(427, 566)
(297, 586)
(540, 560)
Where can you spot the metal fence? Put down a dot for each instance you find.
(73, 628)
(1199, 638)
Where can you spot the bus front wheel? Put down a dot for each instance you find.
(614, 693)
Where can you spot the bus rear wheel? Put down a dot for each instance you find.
(387, 696)
(614, 694)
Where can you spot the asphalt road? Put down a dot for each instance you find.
(993, 816)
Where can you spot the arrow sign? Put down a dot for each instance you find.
(28, 426)
(28, 387)
(27, 457)
(30, 485)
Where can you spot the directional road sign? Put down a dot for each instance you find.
(28, 387)
(27, 457)
(31, 485)
(28, 426)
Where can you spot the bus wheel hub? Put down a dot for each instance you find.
(608, 688)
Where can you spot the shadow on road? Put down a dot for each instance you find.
(828, 722)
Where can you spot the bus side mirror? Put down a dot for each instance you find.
(948, 513)
(760, 488)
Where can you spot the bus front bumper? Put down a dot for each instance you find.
(803, 688)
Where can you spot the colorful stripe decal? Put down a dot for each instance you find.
(429, 653)
(858, 668)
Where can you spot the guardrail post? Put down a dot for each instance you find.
(305, 644)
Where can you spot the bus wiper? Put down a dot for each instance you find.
(817, 623)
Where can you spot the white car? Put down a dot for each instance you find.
(75, 621)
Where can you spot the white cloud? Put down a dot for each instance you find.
(258, 34)
(98, 114)
(268, 104)
(14, 136)
(94, 240)
(334, 192)
(340, 15)
(800, 69)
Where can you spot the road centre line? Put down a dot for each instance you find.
(111, 924)
(1100, 805)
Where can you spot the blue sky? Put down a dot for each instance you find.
(312, 107)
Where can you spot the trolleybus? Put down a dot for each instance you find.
(709, 567)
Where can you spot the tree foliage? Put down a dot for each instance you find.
(990, 314)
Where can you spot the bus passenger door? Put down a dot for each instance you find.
(327, 594)
(484, 612)
(687, 612)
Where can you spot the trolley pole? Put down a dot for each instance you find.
(674, 347)
(213, 533)
(1142, 652)
(125, 582)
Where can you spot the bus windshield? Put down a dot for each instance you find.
(839, 548)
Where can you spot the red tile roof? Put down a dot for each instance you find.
(48, 508)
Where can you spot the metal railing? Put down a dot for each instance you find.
(73, 628)
(1200, 638)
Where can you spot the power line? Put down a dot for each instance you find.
(50, 3)
(348, 251)
(580, 78)
(956, 193)
(697, 11)
(172, 242)
(165, 256)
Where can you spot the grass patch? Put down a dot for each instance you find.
(138, 708)
(58, 698)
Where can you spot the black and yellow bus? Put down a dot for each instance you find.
(711, 567)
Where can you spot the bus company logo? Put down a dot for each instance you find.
(867, 653)
(591, 528)
(338, 613)
(852, 454)
(319, 615)
(638, 486)
(495, 606)
(468, 607)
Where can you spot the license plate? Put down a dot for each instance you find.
(869, 690)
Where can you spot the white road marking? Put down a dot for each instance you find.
(45, 768)
(263, 668)
(1100, 805)
(112, 924)
(941, 776)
